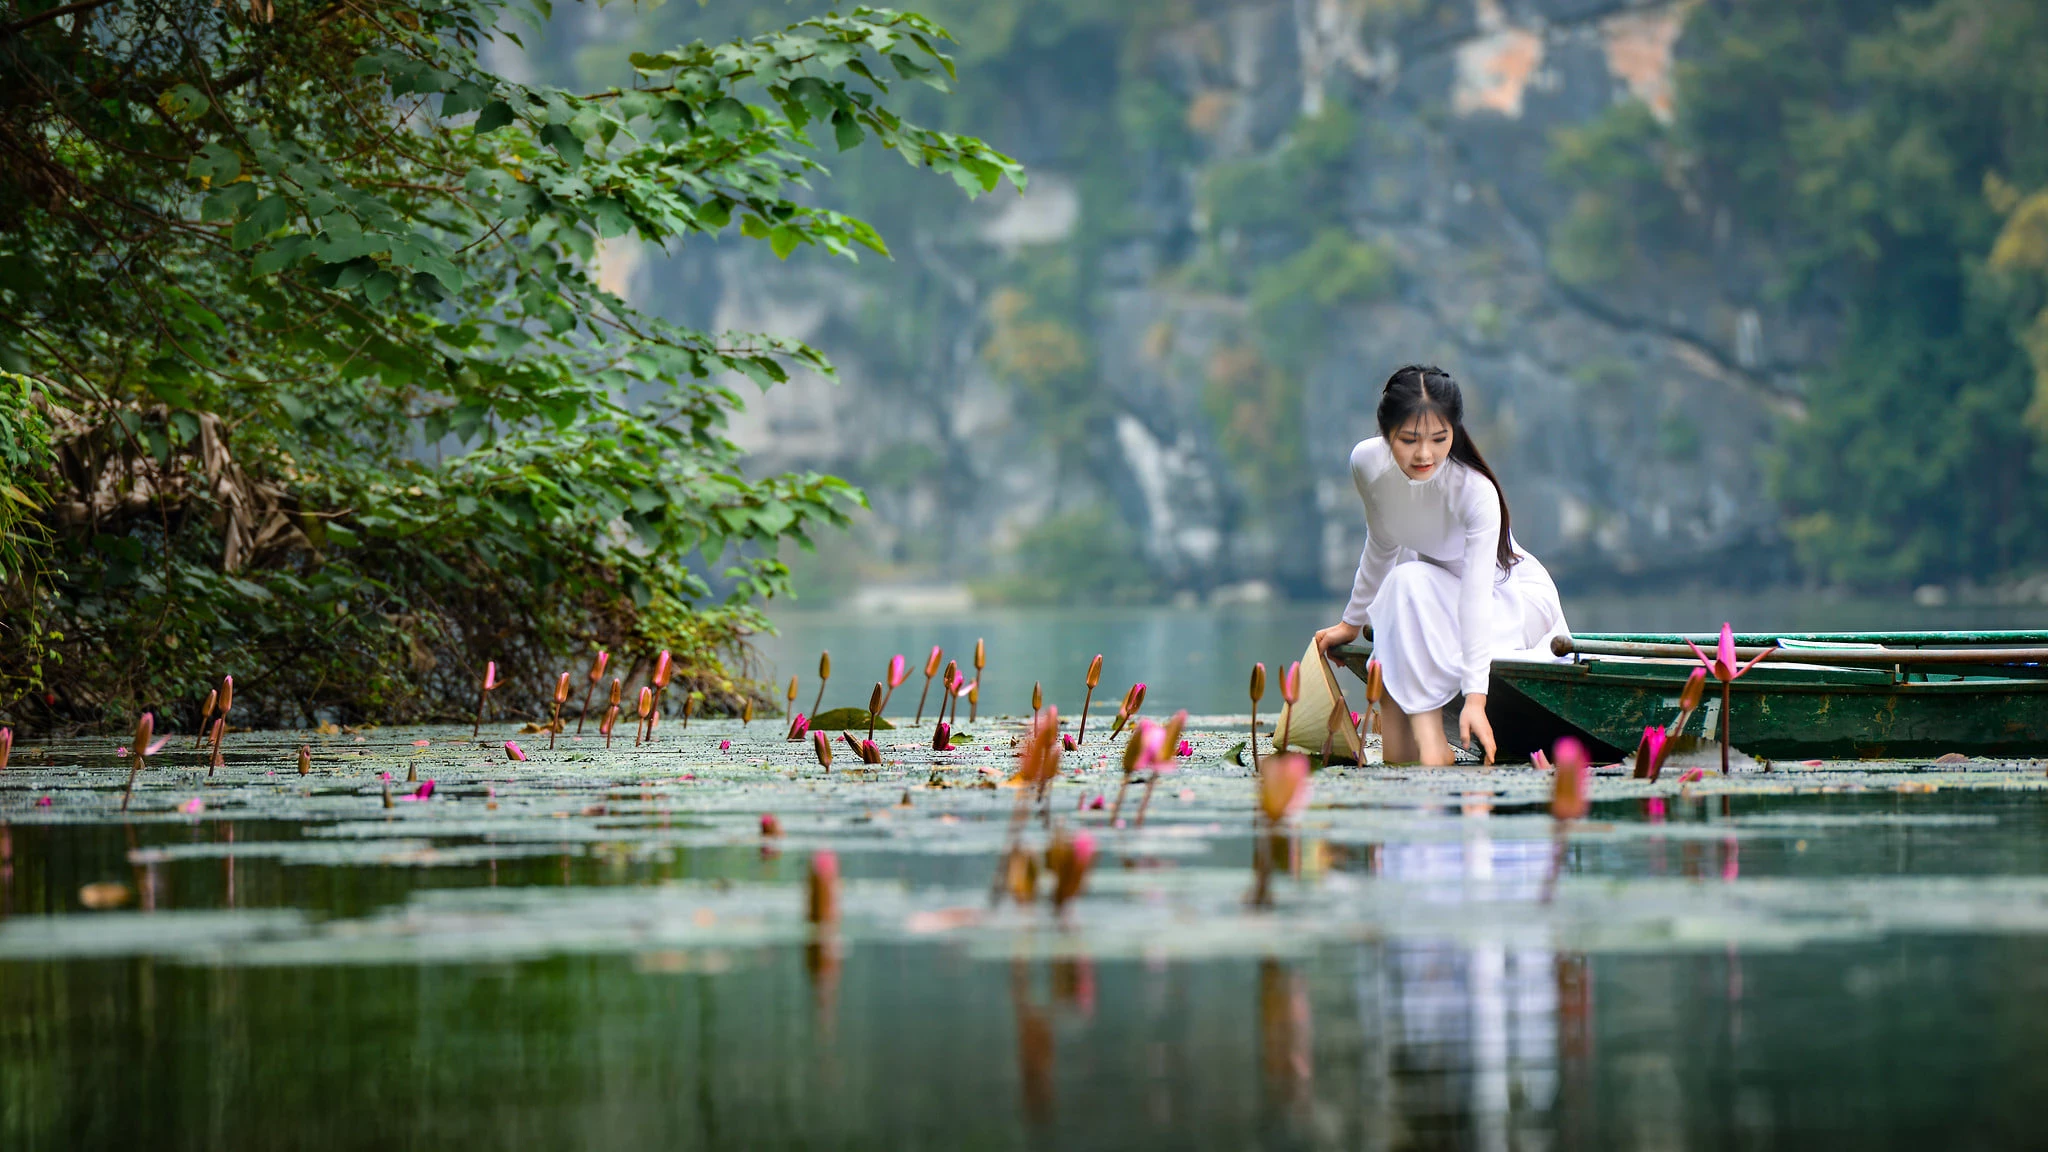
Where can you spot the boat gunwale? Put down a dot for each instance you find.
(1873, 681)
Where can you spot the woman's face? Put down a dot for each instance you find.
(1421, 445)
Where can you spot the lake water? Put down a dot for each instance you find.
(598, 949)
(1200, 658)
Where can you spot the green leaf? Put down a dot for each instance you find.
(495, 115)
(184, 103)
(466, 96)
(728, 117)
(846, 130)
(783, 241)
(215, 163)
(564, 142)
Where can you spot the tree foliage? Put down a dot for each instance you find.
(1889, 154)
(339, 401)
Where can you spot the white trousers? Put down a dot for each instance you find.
(1416, 635)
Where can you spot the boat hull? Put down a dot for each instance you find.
(1788, 712)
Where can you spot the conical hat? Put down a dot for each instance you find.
(1319, 717)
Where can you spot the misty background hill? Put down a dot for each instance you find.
(1740, 292)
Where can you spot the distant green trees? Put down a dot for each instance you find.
(308, 302)
(1894, 156)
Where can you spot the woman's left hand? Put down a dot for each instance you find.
(1472, 724)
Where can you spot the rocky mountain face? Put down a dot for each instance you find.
(1626, 410)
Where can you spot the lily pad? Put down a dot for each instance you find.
(846, 720)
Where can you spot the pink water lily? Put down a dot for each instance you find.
(425, 790)
(725, 745)
(1067, 742)
(799, 726)
(490, 675)
(1650, 753)
(899, 670)
(1570, 790)
(1186, 748)
(514, 752)
(1724, 669)
(192, 807)
(1722, 663)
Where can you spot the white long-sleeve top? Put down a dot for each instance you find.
(1452, 520)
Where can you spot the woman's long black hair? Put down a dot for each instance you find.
(1416, 389)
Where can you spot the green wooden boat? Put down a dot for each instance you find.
(1826, 695)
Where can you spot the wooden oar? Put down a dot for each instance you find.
(1881, 657)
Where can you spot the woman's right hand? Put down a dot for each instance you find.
(1335, 636)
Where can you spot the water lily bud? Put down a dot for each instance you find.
(425, 791)
(617, 685)
(898, 670)
(144, 728)
(1020, 875)
(646, 701)
(1069, 860)
(1037, 696)
(1184, 749)
(1258, 683)
(663, 669)
(305, 760)
(1283, 785)
(952, 677)
(1095, 670)
(980, 655)
(851, 742)
(824, 665)
(6, 746)
(514, 752)
(227, 694)
(931, 662)
(792, 688)
(610, 721)
(823, 903)
(1375, 682)
(875, 700)
(1038, 756)
(870, 752)
(942, 736)
(1569, 791)
(747, 711)
(1650, 753)
(1146, 733)
(597, 665)
(822, 745)
(770, 826)
(206, 713)
(1695, 687)
(562, 689)
(1290, 683)
(490, 675)
(799, 726)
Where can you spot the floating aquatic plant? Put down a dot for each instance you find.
(1143, 747)
(1159, 761)
(561, 698)
(974, 694)
(483, 693)
(1290, 691)
(220, 722)
(931, 669)
(1650, 753)
(596, 674)
(1068, 858)
(1094, 678)
(1283, 786)
(144, 727)
(1258, 693)
(1724, 669)
(824, 674)
(899, 670)
(1134, 699)
(205, 714)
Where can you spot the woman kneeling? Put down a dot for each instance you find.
(1442, 582)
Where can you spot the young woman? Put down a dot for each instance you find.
(1441, 581)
